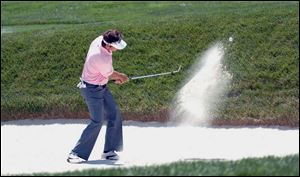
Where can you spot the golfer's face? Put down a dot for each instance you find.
(111, 48)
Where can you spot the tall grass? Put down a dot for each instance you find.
(41, 67)
(266, 166)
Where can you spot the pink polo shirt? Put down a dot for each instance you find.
(98, 64)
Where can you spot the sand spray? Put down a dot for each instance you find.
(196, 102)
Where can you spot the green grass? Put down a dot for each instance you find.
(266, 166)
(42, 62)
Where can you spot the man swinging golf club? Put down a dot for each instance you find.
(97, 71)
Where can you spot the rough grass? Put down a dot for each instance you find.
(267, 166)
(40, 67)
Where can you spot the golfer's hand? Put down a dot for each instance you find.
(122, 78)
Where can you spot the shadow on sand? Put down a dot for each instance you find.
(104, 162)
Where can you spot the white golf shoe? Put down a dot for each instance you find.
(74, 158)
(111, 155)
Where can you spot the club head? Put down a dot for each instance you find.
(177, 69)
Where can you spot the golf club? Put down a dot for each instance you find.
(155, 75)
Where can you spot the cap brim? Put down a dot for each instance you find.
(119, 45)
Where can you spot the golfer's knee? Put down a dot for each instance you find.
(96, 123)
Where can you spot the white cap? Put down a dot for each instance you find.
(121, 44)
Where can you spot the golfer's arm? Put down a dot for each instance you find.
(115, 75)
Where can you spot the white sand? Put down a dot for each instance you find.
(42, 146)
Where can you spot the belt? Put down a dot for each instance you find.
(83, 84)
(93, 84)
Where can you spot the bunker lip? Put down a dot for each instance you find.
(162, 117)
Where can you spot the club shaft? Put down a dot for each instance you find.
(154, 75)
(151, 75)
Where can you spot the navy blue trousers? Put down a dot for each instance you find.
(102, 107)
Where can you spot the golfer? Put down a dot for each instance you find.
(97, 71)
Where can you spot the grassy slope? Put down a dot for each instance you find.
(40, 68)
(267, 166)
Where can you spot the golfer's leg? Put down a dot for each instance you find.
(114, 132)
(89, 135)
